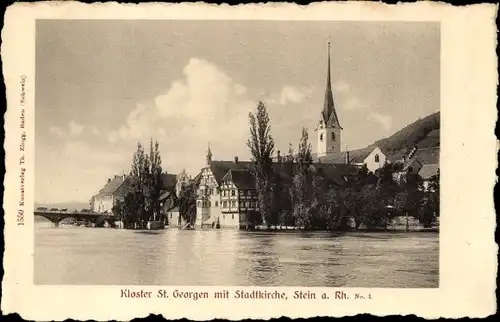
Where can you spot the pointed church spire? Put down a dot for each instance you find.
(209, 155)
(329, 114)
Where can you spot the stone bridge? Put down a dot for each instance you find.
(94, 217)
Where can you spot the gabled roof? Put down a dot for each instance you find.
(428, 155)
(221, 168)
(112, 186)
(241, 178)
(355, 156)
(428, 171)
(236, 171)
(410, 163)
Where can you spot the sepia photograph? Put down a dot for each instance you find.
(237, 153)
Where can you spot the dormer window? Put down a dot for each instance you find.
(377, 159)
(333, 135)
(321, 137)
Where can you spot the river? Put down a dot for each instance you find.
(101, 256)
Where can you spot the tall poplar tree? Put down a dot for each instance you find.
(139, 174)
(261, 145)
(154, 179)
(302, 183)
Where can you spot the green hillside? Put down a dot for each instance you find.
(423, 133)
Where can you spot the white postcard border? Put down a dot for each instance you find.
(468, 153)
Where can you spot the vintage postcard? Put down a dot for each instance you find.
(253, 161)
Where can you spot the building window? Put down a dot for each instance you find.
(333, 135)
(232, 216)
(247, 204)
(214, 191)
(321, 137)
(170, 215)
(377, 159)
(223, 216)
(233, 203)
(199, 204)
(243, 192)
(224, 204)
(224, 193)
(216, 204)
(209, 204)
(410, 169)
(233, 192)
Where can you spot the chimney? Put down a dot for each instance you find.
(109, 180)
(236, 159)
(278, 157)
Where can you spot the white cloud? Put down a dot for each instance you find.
(353, 103)
(113, 137)
(292, 94)
(202, 105)
(384, 120)
(341, 87)
(348, 101)
(55, 130)
(75, 129)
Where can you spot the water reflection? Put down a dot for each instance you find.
(219, 257)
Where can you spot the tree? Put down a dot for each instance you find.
(431, 204)
(187, 203)
(117, 211)
(131, 209)
(302, 184)
(154, 181)
(261, 145)
(370, 208)
(139, 174)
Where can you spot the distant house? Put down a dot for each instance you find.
(182, 180)
(113, 191)
(238, 198)
(424, 162)
(118, 187)
(373, 157)
(174, 218)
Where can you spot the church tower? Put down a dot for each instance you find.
(329, 129)
(209, 156)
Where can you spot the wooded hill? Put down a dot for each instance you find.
(423, 133)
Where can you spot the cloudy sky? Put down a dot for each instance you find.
(103, 86)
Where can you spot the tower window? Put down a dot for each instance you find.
(321, 137)
(333, 135)
(377, 159)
